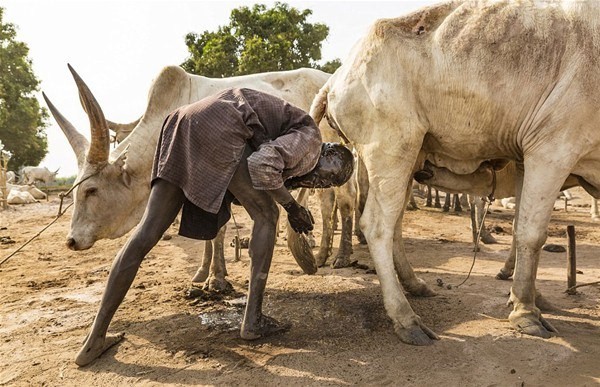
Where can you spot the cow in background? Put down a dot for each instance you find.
(31, 175)
(11, 177)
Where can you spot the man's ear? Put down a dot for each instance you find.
(121, 163)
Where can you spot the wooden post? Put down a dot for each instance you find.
(238, 248)
(3, 168)
(571, 259)
(566, 205)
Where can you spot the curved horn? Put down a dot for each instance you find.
(78, 142)
(100, 143)
(122, 130)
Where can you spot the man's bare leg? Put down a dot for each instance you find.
(165, 202)
(264, 212)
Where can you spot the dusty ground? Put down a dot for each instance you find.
(340, 333)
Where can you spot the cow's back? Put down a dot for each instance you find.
(296, 86)
(489, 73)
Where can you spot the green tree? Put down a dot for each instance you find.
(22, 120)
(258, 39)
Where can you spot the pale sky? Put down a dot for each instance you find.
(118, 47)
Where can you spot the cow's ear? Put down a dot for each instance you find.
(120, 163)
(125, 176)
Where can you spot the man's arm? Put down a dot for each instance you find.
(299, 217)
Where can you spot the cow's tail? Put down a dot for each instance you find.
(318, 110)
(319, 105)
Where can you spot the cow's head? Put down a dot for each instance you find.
(107, 200)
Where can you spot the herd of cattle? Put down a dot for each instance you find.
(468, 97)
(21, 188)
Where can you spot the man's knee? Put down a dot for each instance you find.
(266, 215)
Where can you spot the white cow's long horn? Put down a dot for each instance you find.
(122, 130)
(100, 143)
(78, 142)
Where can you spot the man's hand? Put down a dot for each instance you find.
(299, 217)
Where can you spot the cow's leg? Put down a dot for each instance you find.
(541, 186)
(216, 281)
(389, 179)
(412, 204)
(345, 199)
(474, 224)
(264, 212)
(477, 222)
(594, 210)
(456, 203)
(204, 269)
(410, 282)
(447, 201)
(362, 188)
(509, 265)
(429, 202)
(327, 213)
(437, 203)
(464, 200)
(163, 205)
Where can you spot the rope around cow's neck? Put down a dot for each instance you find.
(488, 201)
(60, 213)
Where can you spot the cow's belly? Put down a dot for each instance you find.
(463, 153)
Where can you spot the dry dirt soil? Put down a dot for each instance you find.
(339, 333)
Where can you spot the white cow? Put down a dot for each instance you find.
(31, 189)
(482, 183)
(31, 175)
(20, 197)
(121, 179)
(458, 84)
(11, 177)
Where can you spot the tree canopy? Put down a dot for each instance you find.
(22, 120)
(258, 39)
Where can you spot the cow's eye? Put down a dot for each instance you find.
(91, 192)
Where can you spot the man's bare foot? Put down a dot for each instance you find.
(92, 349)
(266, 326)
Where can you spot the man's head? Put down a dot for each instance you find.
(334, 168)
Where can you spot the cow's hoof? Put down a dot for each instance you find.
(417, 335)
(504, 275)
(321, 259)
(531, 325)
(266, 326)
(217, 285)
(201, 275)
(91, 350)
(341, 262)
(488, 239)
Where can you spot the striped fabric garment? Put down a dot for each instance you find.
(201, 145)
